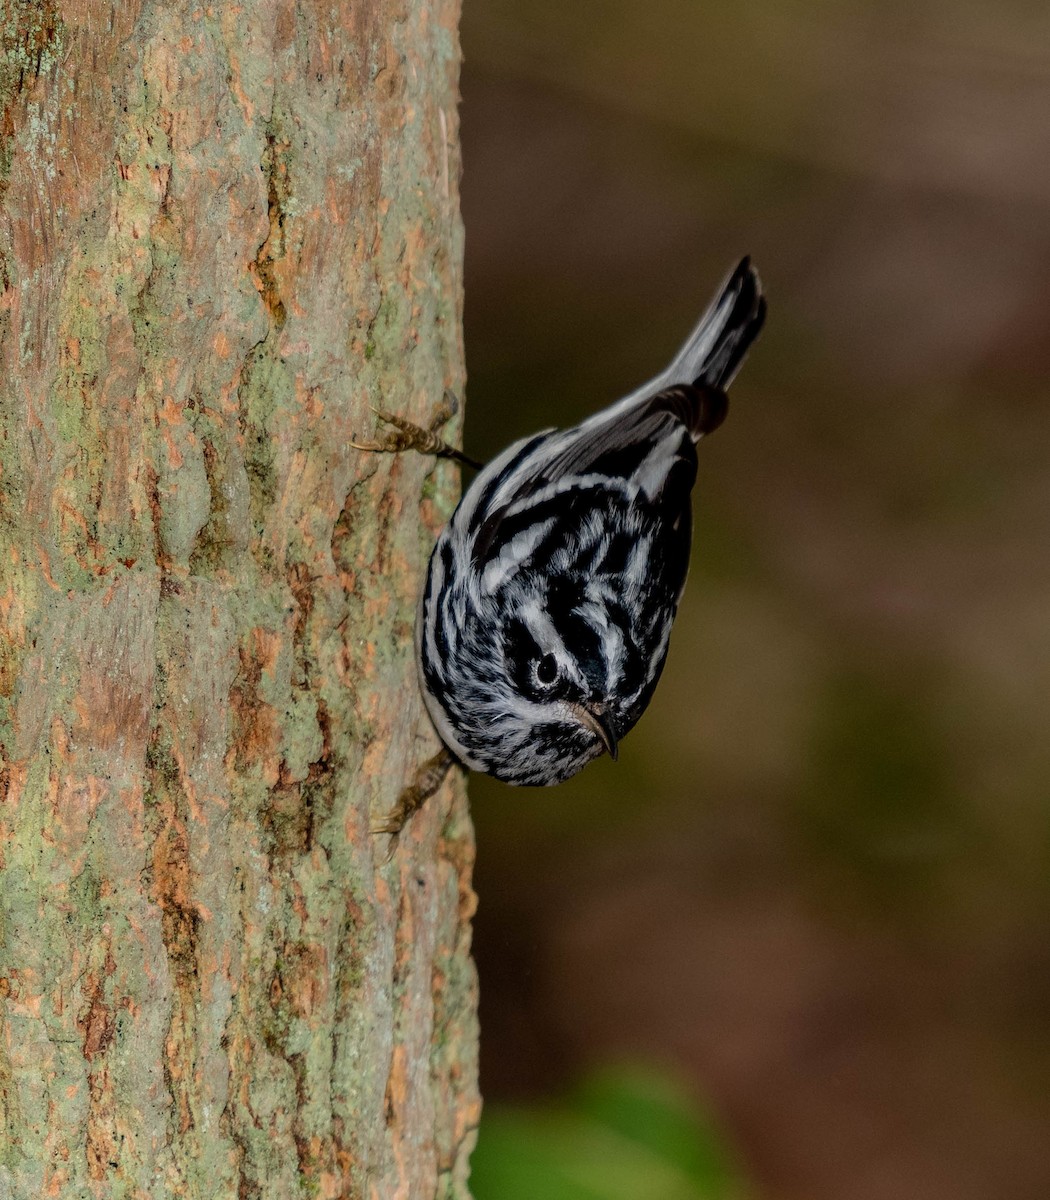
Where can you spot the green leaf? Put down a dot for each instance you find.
(625, 1135)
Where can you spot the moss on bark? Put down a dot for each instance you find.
(225, 234)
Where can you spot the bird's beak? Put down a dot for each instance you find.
(599, 724)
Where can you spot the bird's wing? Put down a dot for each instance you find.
(650, 448)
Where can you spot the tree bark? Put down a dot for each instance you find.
(225, 234)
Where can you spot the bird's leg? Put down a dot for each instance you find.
(408, 436)
(425, 783)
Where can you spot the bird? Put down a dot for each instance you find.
(546, 613)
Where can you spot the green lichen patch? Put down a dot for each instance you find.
(32, 38)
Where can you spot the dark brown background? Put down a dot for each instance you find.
(816, 882)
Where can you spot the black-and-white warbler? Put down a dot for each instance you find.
(545, 619)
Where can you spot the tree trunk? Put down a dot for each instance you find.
(225, 234)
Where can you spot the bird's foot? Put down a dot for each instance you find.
(408, 436)
(425, 783)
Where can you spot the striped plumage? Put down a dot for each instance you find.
(547, 611)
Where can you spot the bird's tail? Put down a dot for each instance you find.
(713, 352)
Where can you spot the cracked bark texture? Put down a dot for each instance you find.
(225, 233)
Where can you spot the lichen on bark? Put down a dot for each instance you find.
(225, 234)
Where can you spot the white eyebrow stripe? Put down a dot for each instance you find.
(541, 627)
(547, 637)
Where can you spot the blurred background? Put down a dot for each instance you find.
(809, 908)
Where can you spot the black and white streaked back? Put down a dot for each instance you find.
(546, 615)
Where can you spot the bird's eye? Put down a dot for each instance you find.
(547, 670)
